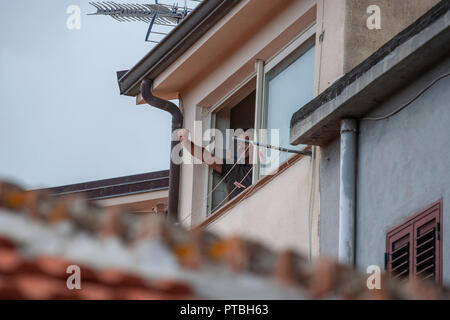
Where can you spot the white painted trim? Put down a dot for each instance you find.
(259, 102)
(211, 122)
(133, 198)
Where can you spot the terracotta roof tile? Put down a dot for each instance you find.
(53, 266)
(169, 286)
(57, 267)
(38, 287)
(114, 277)
(12, 196)
(95, 291)
(140, 294)
(8, 290)
(9, 261)
(6, 243)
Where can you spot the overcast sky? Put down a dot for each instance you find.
(62, 119)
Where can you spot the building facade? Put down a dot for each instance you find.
(253, 64)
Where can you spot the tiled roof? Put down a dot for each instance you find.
(127, 256)
(44, 278)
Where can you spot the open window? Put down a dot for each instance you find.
(265, 101)
(236, 113)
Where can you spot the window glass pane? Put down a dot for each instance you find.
(286, 91)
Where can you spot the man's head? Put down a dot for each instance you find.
(245, 147)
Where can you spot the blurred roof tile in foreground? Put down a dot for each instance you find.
(126, 256)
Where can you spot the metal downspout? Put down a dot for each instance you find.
(347, 192)
(177, 122)
(311, 184)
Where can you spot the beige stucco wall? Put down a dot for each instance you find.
(330, 51)
(346, 39)
(395, 15)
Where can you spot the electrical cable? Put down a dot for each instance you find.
(229, 171)
(222, 180)
(240, 182)
(407, 103)
(250, 187)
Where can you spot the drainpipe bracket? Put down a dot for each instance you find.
(349, 130)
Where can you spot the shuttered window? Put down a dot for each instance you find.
(413, 249)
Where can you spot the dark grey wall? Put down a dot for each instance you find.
(403, 166)
(329, 199)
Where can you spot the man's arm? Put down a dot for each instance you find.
(196, 151)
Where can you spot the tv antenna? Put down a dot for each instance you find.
(165, 15)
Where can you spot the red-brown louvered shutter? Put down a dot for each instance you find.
(400, 253)
(413, 249)
(427, 255)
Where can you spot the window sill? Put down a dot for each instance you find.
(250, 190)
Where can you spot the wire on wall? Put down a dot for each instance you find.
(407, 103)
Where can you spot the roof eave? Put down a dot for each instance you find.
(181, 38)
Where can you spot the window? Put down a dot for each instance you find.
(413, 249)
(265, 100)
(237, 114)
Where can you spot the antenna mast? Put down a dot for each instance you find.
(161, 14)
